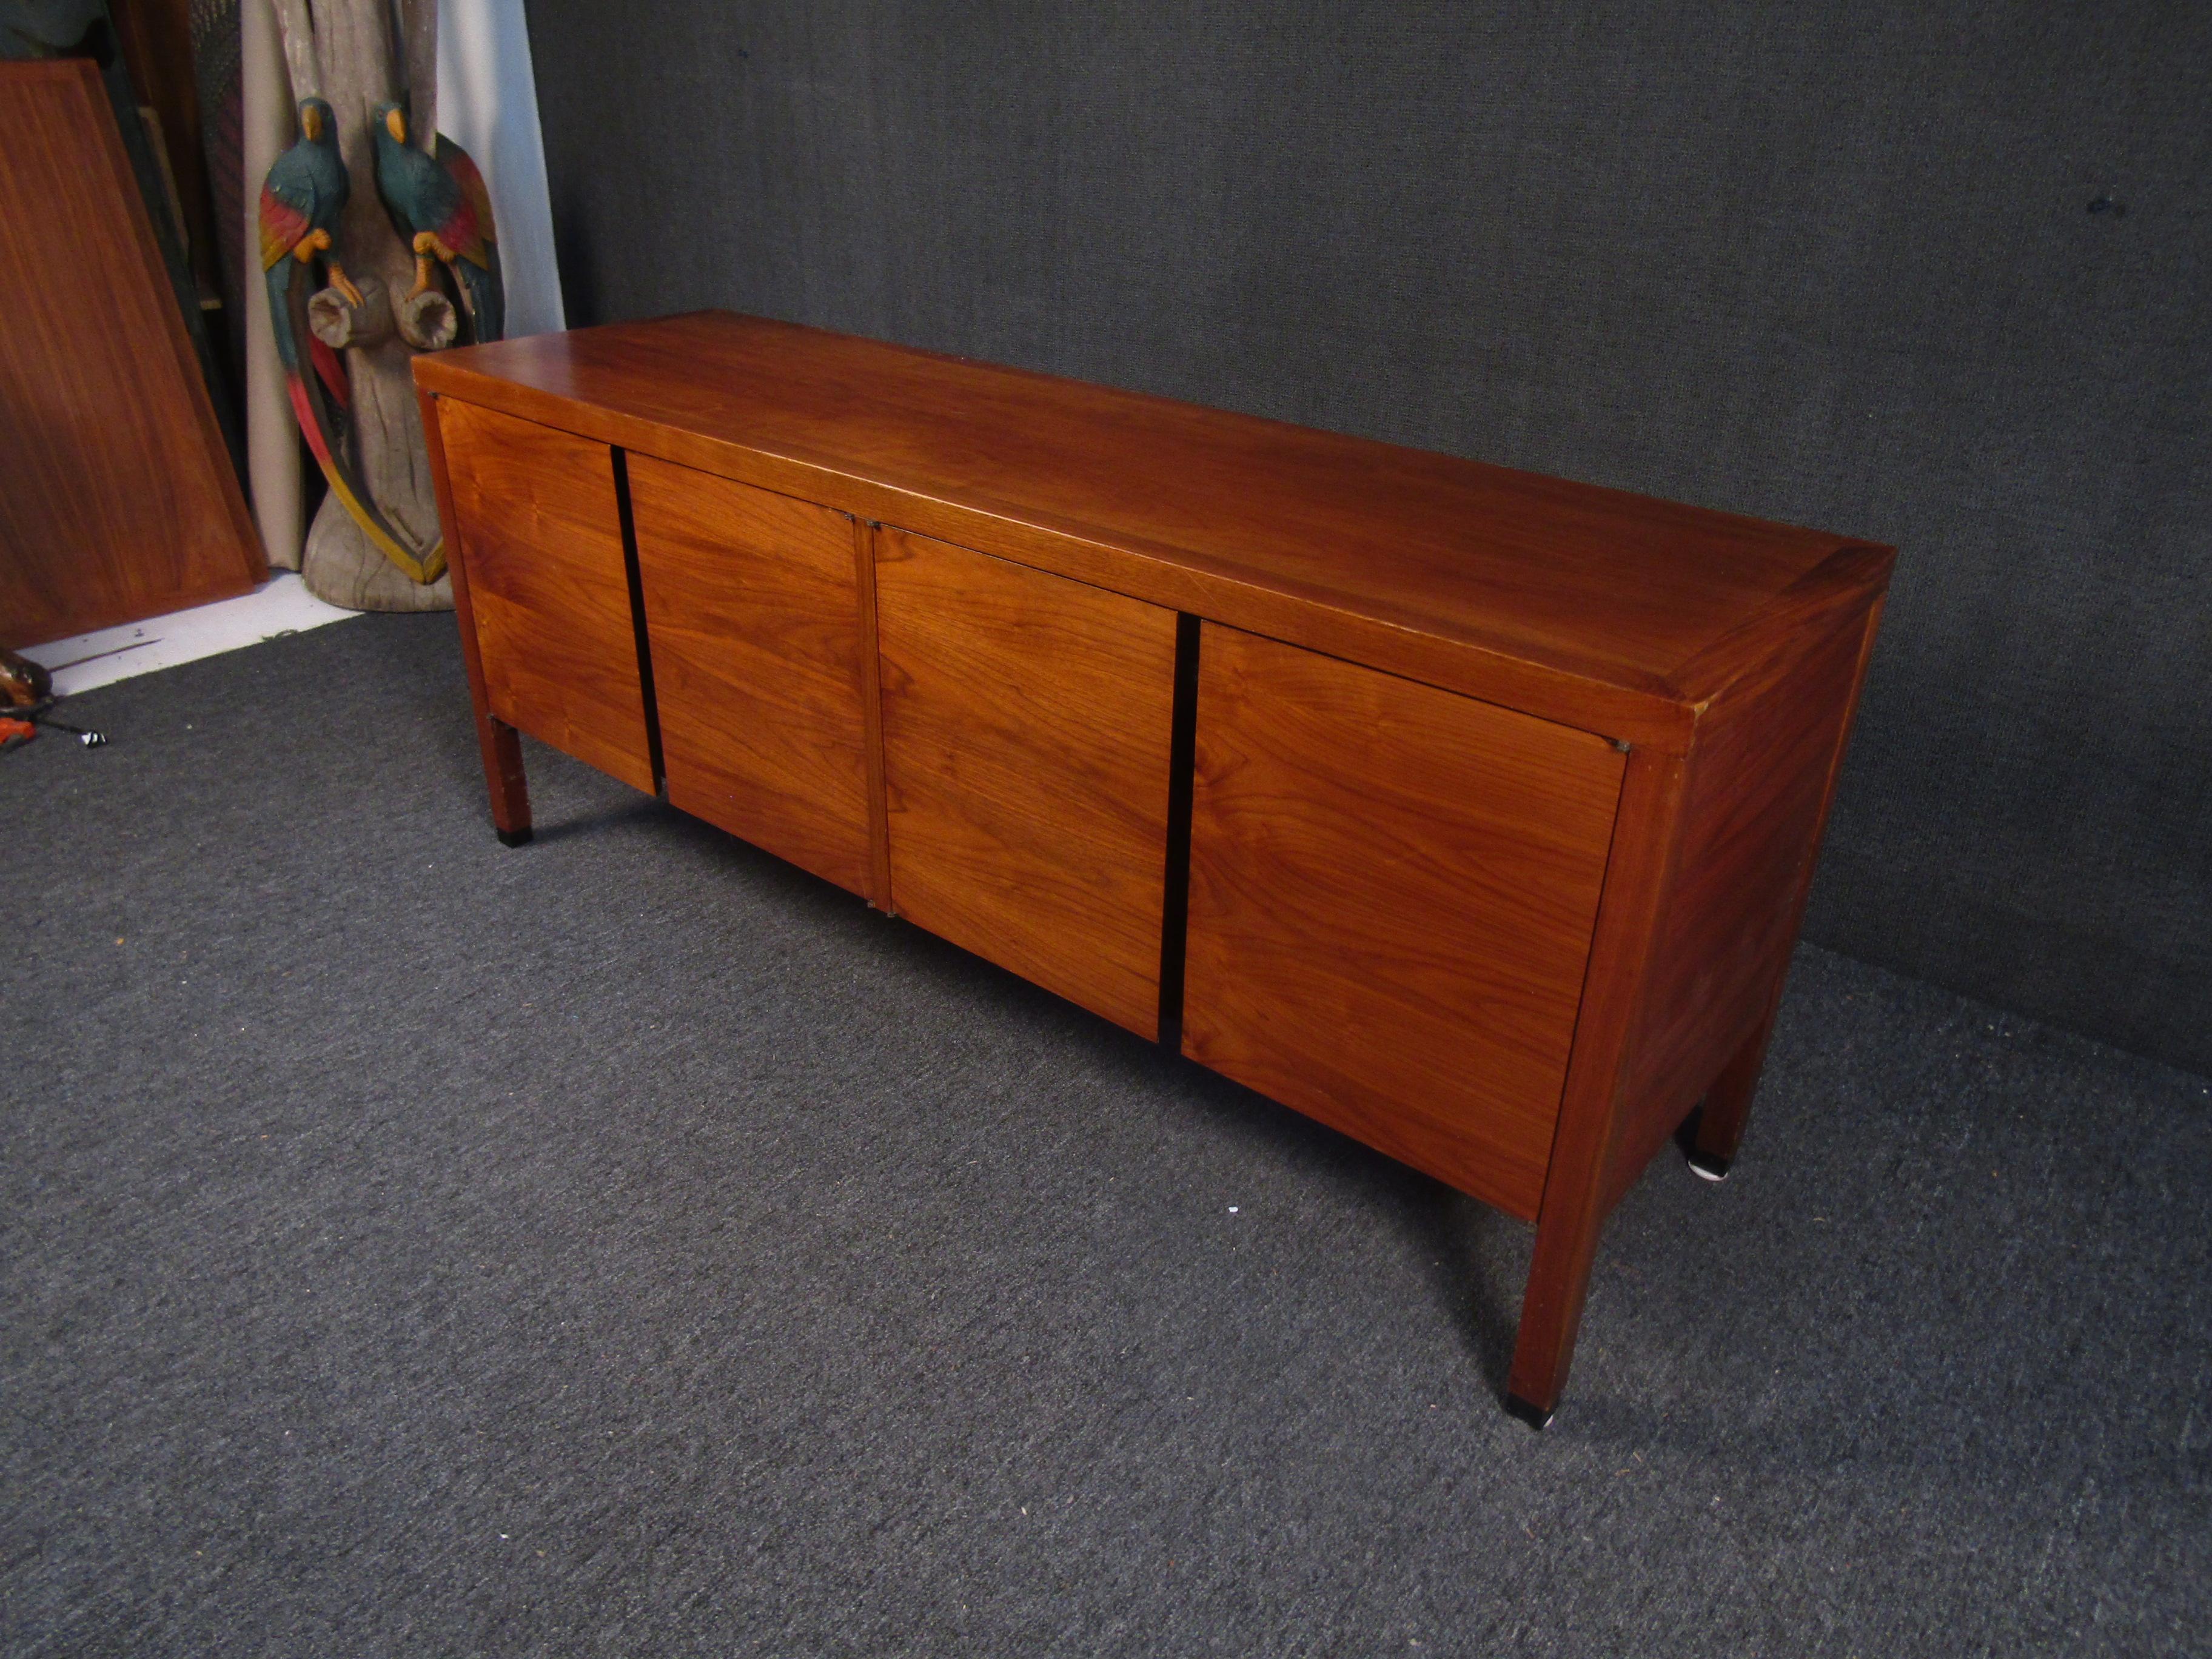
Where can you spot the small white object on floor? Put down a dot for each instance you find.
(280, 605)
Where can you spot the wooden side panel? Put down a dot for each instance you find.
(1393, 891)
(548, 586)
(504, 781)
(1755, 796)
(119, 501)
(1026, 725)
(752, 605)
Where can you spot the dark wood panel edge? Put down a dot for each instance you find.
(501, 745)
(1727, 1105)
(618, 459)
(1183, 766)
(1625, 704)
(17, 631)
(872, 719)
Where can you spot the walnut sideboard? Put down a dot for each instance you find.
(1470, 812)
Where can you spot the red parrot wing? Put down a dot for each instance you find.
(321, 398)
(468, 230)
(282, 225)
(331, 372)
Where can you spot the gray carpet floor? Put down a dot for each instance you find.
(629, 1245)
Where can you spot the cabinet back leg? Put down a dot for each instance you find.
(1716, 1129)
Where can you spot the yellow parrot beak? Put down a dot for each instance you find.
(311, 122)
(396, 124)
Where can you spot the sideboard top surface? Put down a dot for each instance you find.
(1654, 604)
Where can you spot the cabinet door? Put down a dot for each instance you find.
(1025, 753)
(753, 617)
(1393, 891)
(548, 585)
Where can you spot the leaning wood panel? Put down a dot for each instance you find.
(120, 501)
(752, 605)
(1392, 894)
(1025, 724)
(548, 586)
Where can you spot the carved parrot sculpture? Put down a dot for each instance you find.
(443, 211)
(301, 201)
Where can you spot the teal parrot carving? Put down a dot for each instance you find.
(301, 199)
(443, 212)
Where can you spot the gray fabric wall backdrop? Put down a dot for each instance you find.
(1932, 273)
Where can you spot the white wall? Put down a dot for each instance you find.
(488, 105)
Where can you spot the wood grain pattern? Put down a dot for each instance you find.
(1727, 1097)
(1713, 859)
(1577, 604)
(501, 746)
(549, 588)
(1503, 791)
(1026, 723)
(753, 602)
(120, 502)
(1393, 889)
(1755, 795)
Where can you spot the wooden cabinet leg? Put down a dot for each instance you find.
(1716, 1129)
(510, 791)
(1575, 1200)
(1550, 1316)
(1567, 1235)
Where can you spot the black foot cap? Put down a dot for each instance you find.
(1534, 1417)
(515, 838)
(1706, 1166)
